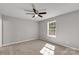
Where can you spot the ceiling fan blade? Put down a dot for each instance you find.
(28, 10)
(35, 11)
(43, 13)
(40, 15)
(33, 16)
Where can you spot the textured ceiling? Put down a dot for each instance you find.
(52, 9)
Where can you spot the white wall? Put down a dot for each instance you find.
(0, 31)
(15, 29)
(67, 30)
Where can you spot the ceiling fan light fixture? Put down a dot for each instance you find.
(36, 15)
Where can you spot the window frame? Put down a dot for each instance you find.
(48, 29)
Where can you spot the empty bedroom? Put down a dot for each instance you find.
(39, 28)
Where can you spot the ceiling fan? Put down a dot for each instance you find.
(35, 12)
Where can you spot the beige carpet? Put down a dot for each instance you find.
(33, 48)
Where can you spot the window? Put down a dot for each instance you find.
(51, 28)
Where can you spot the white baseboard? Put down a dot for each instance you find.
(17, 42)
(61, 44)
(69, 47)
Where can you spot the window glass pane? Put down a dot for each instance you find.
(52, 28)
